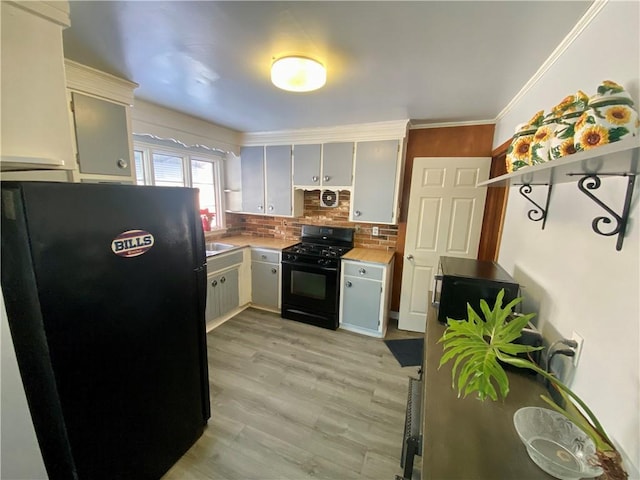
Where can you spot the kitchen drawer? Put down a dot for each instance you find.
(263, 255)
(222, 260)
(363, 270)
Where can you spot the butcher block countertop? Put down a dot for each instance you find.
(257, 242)
(369, 255)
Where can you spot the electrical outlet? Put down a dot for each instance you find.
(579, 343)
(375, 231)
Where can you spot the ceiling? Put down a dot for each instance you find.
(428, 61)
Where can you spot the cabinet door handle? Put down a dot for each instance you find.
(270, 208)
(223, 279)
(348, 284)
(260, 207)
(327, 178)
(214, 283)
(263, 257)
(314, 178)
(122, 163)
(357, 213)
(362, 271)
(274, 271)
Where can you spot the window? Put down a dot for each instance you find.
(174, 167)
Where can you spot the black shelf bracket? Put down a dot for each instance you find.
(592, 181)
(538, 213)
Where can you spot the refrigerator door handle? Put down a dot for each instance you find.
(436, 279)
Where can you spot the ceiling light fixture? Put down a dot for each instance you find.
(298, 74)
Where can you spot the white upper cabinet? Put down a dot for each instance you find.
(36, 131)
(328, 165)
(376, 182)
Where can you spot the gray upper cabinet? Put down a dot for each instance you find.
(267, 187)
(102, 137)
(306, 165)
(337, 164)
(329, 165)
(375, 189)
(252, 166)
(278, 180)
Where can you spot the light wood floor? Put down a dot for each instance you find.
(293, 401)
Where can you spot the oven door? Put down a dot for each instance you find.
(310, 287)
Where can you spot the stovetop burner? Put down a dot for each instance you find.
(316, 250)
(320, 245)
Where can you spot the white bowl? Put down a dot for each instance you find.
(556, 444)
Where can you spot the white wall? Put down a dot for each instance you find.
(577, 278)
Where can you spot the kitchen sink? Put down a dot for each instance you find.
(217, 247)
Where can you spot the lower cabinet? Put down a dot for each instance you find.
(265, 278)
(364, 297)
(222, 293)
(223, 285)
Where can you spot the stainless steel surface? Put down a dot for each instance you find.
(216, 248)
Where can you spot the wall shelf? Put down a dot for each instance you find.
(619, 159)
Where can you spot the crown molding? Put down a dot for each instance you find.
(89, 80)
(416, 124)
(571, 37)
(389, 130)
(56, 12)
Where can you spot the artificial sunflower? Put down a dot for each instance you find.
(521, 149)
(581, 121)
(594, 136)
(567, 148)
(608, 86)
(618, 115)
(542, 134)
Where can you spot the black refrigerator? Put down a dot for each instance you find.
(104, 288)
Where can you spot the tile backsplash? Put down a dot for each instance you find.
(313, 214)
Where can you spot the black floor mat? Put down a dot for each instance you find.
(408, 351)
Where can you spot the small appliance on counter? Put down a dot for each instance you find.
(465, 280)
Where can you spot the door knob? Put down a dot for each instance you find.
(274, 271)
(223, 279)
(410, 257)
(214, 283)
(349, 283)
(122, 163)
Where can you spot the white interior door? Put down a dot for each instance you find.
(444, 218)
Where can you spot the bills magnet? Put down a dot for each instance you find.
(132, 243)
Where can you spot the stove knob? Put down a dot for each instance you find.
(293, 258)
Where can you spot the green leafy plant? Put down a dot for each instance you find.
(479, 348)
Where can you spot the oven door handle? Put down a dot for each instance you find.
(310, 267)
